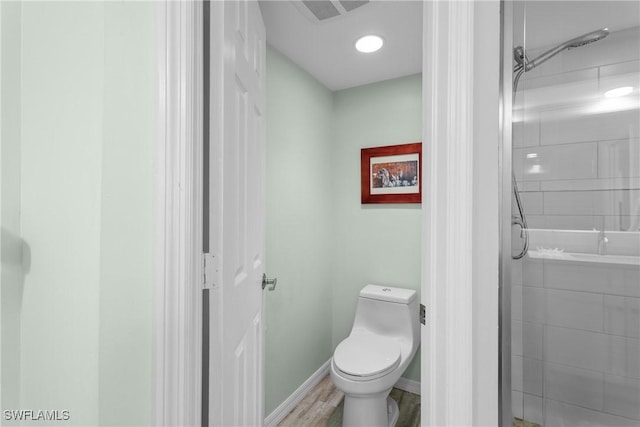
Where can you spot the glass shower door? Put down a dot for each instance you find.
(576, 160)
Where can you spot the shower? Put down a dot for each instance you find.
(524, 64)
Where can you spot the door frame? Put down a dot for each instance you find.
(461, 221)
(178, 269)
(506, 71)
(459, 383)
(0, 192)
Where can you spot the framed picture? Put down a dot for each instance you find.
(391, 174)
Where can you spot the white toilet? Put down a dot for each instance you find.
(367, 364)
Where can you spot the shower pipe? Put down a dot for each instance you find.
(524, 64)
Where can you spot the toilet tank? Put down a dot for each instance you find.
(388, 311)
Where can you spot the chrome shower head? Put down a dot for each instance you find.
(588, 38)
(523, 62)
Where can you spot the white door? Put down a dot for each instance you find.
(237, 212)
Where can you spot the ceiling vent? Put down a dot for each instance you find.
(321, 10)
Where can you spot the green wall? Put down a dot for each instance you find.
(11, 277)
(378, 244)
(322, 244)
(298, 233)
(127, 214)
(77, 169)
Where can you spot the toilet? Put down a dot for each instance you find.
(367, 364)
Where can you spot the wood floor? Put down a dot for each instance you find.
(517, 422)
(322, 407)
(324, 404)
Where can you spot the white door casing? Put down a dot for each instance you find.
(237, 213)
(460, 214)
(178, 222)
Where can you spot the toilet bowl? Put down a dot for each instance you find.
(366, 365)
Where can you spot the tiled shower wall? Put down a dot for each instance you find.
(576, 325)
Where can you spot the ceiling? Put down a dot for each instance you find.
(325, 49)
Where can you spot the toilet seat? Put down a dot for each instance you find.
(365, 356)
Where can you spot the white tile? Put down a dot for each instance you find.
(524, 186)
(628, 67)
(633, 358)
(533, 410)
(619, 159)
(625, 281)
(618, 222)
(565, 127)
(615, 202)
(610, 82)
(581, 349)
(578, 310)
(583, 241)
(526, 339)
(622, 396)
(517, 404)
(622, 316)
(517, 373)
(533, 304)
(585, 184)
(571, 222)
(532, 203)
(623, 243)
(624, 356)
(607, 279)
(566, 161)
(516, 271)
(536, 221)
(532, 340)
(558, 414)
(573, 385)
(527, 132)
(559, 79)
(516, 302)
(569, 203)
(532, 272)
(561, 91)
(573, 276)
(532, 376)
(516, 338)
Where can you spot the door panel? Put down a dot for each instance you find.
(238, 232)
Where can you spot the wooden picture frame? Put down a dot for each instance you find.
(391, 174)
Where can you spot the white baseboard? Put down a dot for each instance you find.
(408, 385)
(296, 397)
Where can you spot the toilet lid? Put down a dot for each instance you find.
(366, 355)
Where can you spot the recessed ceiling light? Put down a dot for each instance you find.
(368, 44)
(618, 92)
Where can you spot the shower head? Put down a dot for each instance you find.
(523, 62)
(585, 39)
